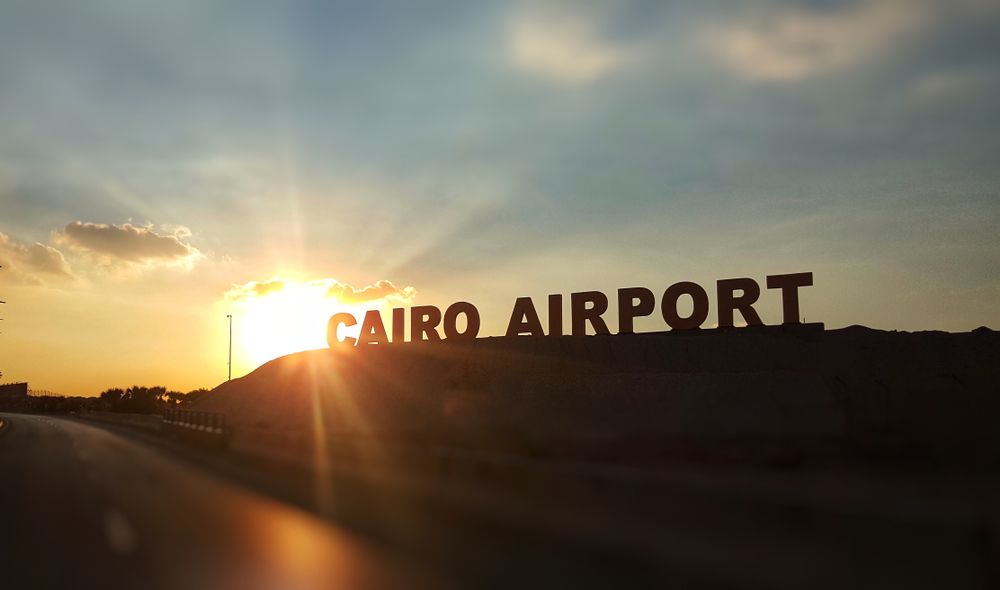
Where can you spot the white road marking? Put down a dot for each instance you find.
(120, 534)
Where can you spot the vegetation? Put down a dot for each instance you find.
(135, 400)
(145, 400)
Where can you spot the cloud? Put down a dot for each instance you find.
(379, 290)
(805, 42)
(254, 290)
(946, 87)
(130, 244)
(30, 264)
(562, 47)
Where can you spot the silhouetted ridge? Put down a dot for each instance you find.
(634, 396)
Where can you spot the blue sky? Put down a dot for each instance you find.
(483, 151)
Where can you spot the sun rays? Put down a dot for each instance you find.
(281, 316)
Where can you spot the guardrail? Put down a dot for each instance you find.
(198, 427)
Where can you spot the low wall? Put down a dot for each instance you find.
(150, 422)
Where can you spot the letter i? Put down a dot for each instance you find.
(399, 324)
(555, 315)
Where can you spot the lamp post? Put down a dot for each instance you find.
(230, 363)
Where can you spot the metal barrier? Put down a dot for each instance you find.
(194, 426)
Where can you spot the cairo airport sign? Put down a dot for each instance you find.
(587, 308)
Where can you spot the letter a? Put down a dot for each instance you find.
(372, 329)
(524, 319)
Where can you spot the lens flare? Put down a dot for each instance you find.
(287, 320)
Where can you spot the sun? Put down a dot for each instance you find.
(285, 320)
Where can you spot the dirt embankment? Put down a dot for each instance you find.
(774, 391)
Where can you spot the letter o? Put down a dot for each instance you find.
(471, 320)
(699, 311)
(337, 320)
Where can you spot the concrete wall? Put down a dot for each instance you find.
(150, 422)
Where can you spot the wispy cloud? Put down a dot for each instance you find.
(565, 48)
(254, 290)
(802, 42)
(948, 86)
(381, 290)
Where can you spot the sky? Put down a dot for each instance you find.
(164, 164)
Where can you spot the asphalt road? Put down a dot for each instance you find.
(84, 507)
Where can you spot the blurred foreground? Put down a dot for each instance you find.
(84, 507)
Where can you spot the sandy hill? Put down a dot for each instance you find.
(636, 395)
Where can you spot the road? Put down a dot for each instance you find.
(82, 506)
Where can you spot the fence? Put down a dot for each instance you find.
(199, 427)
(46, 393)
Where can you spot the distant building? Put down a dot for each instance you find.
(13, 394)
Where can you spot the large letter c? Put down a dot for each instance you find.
(332, 326)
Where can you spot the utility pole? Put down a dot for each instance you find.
(1, 374)
(230, 364)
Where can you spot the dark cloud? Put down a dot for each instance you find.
(129, 243)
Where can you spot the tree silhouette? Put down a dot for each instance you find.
(112, 395)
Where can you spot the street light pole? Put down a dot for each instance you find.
(230, 364)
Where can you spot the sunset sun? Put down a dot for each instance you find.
(279, 317)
